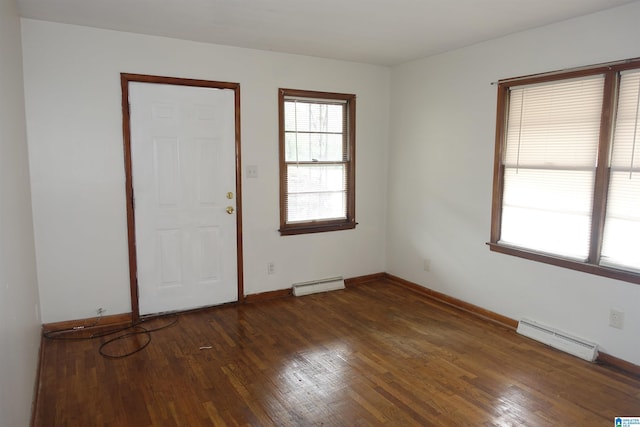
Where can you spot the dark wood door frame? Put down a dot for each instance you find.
(125, 78)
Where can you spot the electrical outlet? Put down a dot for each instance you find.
(271, 268)
(616, 318)
(426, 264)
(252, 171)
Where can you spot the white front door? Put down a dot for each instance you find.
(183, 169)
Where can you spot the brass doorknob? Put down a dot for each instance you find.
(230, 210)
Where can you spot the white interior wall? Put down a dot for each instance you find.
(74, 122)
(441, 169)
(19, 314)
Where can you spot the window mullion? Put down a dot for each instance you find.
(602, 168)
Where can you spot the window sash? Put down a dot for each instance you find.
(550, 154)
(621, 239)
(316, 191)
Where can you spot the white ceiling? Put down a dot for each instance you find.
(385, 32)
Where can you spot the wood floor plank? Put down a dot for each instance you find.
(372, 354)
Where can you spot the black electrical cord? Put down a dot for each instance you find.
(145, 331)
(142, 331)
(59, 334)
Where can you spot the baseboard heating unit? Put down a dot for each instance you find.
(558, 339)
(315, 286)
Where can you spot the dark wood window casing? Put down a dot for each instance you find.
(312, 197)
(611, 72)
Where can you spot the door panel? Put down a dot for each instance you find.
(183, 165)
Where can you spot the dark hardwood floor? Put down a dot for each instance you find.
(373, 354)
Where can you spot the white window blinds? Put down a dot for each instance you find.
(550, 155)
(316, 160)
(621, 242)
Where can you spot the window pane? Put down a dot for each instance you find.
(554, 233)
(621, 244)
(548, 210)
(316, 192)
(311, 206)
(308, 147)
(302, 116)
(554, 124)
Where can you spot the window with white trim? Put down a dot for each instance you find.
(317, 161)
(567, 169)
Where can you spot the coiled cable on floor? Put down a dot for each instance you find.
(134, 329)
